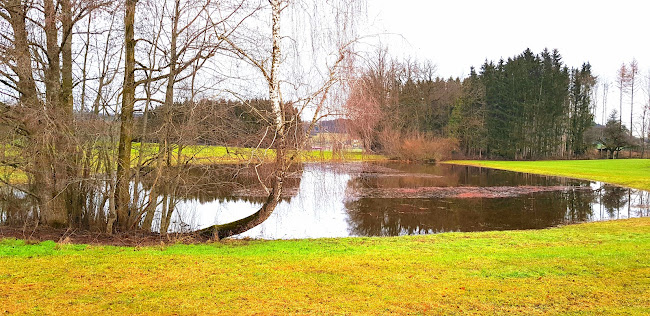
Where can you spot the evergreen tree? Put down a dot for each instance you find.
(580, 115)
(467, 121)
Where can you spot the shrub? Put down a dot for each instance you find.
(418, 147)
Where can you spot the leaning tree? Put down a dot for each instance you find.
(301, 65)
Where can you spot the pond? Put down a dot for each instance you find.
(391, 199)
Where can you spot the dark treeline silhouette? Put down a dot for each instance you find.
(220, 122)
(526, 107)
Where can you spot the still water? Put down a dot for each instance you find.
(360, 199)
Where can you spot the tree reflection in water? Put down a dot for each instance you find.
(391, 217)
(377, 216)
(614, 199)
(336, 200)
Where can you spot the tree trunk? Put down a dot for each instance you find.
(122, 197)
(66, 53)
(245, 224)
(631, 111)
(26, 84)
(40, 118)
(53, 71)
(69, 155)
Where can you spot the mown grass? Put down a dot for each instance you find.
(595, 268)
(634, 173)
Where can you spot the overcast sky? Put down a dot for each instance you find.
(458, 34)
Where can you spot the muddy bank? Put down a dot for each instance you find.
(457, 192)
(398, 175)
(69, 236)
(360, 168)
(287, 193)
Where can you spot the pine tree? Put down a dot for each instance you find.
(581, 117)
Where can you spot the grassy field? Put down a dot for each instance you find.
(12, 175)
(219, 155)
(634, 173)
(595, 268)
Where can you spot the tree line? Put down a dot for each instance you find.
(529, 106)
(220, 122)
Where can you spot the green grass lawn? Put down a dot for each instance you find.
(634, 173)
(595, 268)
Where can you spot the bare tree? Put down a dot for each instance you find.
(363, 108)
(51, 60)
(645, 119)
(606, 85)
(634, 69)
(373, 93)
(180, 43)
(594, 100)
(122, 198)
(268, 63)
(39, 58)
(622, 83)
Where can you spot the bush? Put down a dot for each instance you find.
(418, 147)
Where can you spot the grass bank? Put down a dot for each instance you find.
(634, 173)
(595, 268)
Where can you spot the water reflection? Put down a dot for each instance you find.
(328, 203)
(13, 202)
(317, 209)
(338, 200)
(218, 189)
(390, 217)
(614, 199)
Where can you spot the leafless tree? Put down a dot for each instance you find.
(180, 38)
(372, 92)
(606, 85)
(69, 69)
(122, 198)
(645, 116)
(633, 71)
(270, 62)
(38, 53)
(622, 83)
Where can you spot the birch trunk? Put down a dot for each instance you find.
(245, 224)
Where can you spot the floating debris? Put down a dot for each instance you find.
(457, 192)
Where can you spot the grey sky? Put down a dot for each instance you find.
(458, 34)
